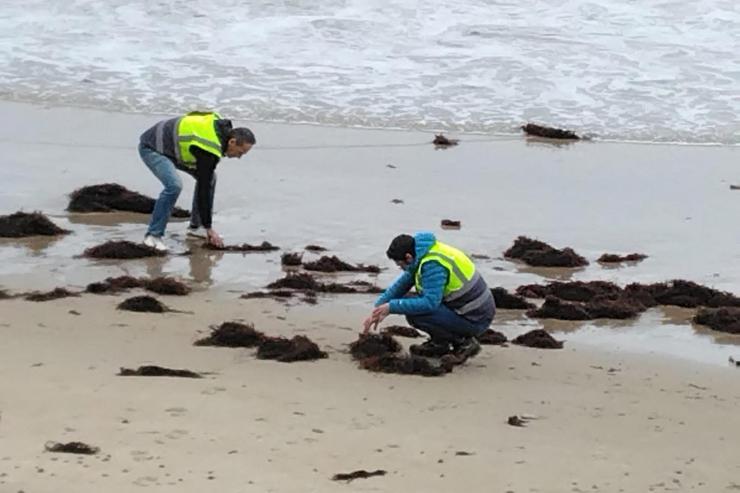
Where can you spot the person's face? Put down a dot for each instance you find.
(405, 263)
(235, 150)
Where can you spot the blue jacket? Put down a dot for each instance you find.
(433, 281)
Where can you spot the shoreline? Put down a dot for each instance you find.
(516, 134)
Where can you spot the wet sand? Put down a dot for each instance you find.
(654, 421)
(333, 187)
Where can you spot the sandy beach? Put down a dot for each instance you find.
(606, 421)
(648, 404)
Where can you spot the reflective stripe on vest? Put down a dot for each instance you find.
(475, 304)
(199, 130)
(159, 136)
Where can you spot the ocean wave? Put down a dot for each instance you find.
(661, 71)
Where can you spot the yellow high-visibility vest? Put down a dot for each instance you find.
(460, 268)
(197, 129)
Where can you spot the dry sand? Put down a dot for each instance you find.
(609, 416)
(605, 421)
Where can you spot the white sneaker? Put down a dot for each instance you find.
(156, 243)
(197, 233)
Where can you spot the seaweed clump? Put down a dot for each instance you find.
(405, 365)
(720, 319)
(122, 250)
(492, 338)
(570, 291)
(361, 474)
(166, 286)
(54, 294)
(556, 308)
(299, 348)
(679, 292)
(450, 224)
(71, 448)
(538, 338)
(380, 353)
(299, 282)
(603, 306)
(291, 259)
(601, 299)
(277, 294)
(617, 307)
(233, 334)
(308, 284)
(401, 331)
(24, 224)
(159, 285)
(113, 285)
(611, 258)
(109, 197)
(143, 304)
(539, 254)
(507, 301)
(549, 132)
(335, 264)
(441, 141)
(157, 371)
(368, 345)
(265, 246)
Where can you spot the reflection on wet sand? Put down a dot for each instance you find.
(339, 196)
(548, 273)
(662, 330)
(543, 142)
(111, 219)
(36, 245)
(202, 262)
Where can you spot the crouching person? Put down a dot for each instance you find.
(453, 303)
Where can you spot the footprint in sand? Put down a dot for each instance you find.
(141, 456)
(177, 434)
(176, 412)
(213, 390)
(146, 481)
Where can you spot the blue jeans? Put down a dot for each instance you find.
(445, 325)
(166, 172)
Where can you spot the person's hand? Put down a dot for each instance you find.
(381, 312)
(375, 318)
(369, 324)
(214, 239)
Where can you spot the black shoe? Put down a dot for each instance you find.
(466, 348)
(430, 349)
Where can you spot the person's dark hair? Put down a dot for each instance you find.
(400, 246)
(242, 136)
